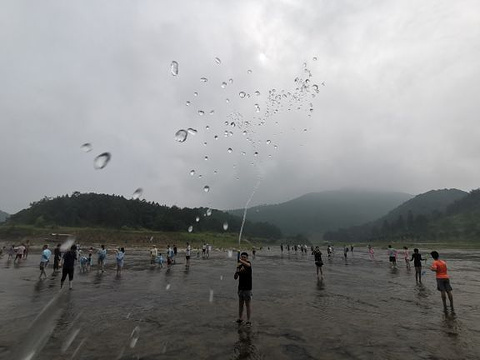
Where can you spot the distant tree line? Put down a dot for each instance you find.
(113, 211)
(460, 220)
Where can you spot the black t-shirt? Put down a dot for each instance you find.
(417, 259)
(318, 256)
(69, 259)
(244, 277)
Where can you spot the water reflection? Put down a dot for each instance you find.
(244, 348)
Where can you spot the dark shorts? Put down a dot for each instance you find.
(245, 295)
(187, 257)
(418, 269)
(319, 263)
(69, 272)
(393, 259)
(42, 265)
(443, 285)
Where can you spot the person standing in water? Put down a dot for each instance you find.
(417, 263)
(244, 276)
(57, 256)
(101, 256)
(69, 266)
(406, 256)
(318, 261)
(119, 257)
(188, 251)
(46, 253)
(392, 256)
(443, 280)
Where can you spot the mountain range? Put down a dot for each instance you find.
(316, 213)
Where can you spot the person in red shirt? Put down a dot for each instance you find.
(443, 280)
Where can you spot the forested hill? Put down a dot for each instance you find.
(437, 214)
(112, 211)
(315, 213)
(3, 216)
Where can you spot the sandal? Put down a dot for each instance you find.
(239, 321)
(248, 323)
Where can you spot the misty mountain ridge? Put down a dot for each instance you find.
(3, 216)
(416, 218)
(315, 213)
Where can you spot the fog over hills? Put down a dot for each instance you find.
(3, 216)
(315, 213)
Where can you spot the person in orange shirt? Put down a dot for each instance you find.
(443, 280)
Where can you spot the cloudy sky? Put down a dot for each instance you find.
(318, 95)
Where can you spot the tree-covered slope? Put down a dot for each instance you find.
(111, 211)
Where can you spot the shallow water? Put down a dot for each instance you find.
(362, 310)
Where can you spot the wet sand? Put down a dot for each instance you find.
(362, 310)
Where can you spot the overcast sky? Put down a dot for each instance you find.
(397, 104)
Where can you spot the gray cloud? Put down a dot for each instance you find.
(398, 110)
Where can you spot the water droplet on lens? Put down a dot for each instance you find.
(230, 81)
(203, 79)
(225, 226)
(195, 93)
(181, 135)
(204, 143)
(268, 142)
(230, 150)
(224, 85)
(257, 108)
(192, 131)
(257, 93)
(167, 287)
(135, 335)
(187, 103)
(227, 100)
(218, 61)
(205, 158)
(137, 193)
(190, 228)
(201, 112)
(212, 112)
(221, 277)
(249, 71)
(242, 94)
(101, 160)
(244, 132)
(174, 68)
(197, 219)
(255, 153)
(192, 172)
(87, 147)
(314, 58)
(209, 212)
(244, 153)
(206, 188)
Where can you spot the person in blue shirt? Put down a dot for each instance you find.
(102, 255)
(119, 257)
(46, 253)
